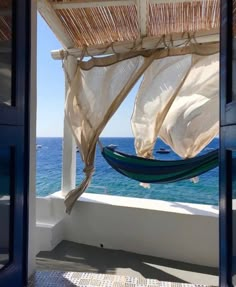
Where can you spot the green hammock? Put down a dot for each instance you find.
(159, 171)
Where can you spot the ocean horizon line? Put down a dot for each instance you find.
(49, 172)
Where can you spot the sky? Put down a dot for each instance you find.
(51, 92)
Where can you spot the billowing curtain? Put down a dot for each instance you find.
(93, 97)
(178, 101)
(101, 84)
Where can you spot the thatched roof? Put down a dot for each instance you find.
(90, 23)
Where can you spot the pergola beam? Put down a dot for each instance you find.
(169, 1)
(142, 16)
(92, 3)
(148, 43)
(48, 13)
(141, 4)
(69, 146)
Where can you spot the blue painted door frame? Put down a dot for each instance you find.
(14, 136)
(227, 146)
(14, 133)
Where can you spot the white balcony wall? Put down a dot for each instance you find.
(171, 230)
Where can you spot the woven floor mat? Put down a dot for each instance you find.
(70, 279)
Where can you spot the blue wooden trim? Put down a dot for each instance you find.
(225, 217)
(27, 112)
(227, 144)
(228, 115)
(14, 125)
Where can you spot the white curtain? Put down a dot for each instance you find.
(178, 101)
(93, 97)
(100, 86)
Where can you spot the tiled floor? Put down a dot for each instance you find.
(73, 257)
(70, 279)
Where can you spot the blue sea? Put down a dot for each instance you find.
(108, 181)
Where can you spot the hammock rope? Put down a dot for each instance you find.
(159, 171)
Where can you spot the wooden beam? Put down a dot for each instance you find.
(92, 3)
(148, 43)
(142, 7)
(170, 1)
(69, 146)
(75, 4)
(48, 13)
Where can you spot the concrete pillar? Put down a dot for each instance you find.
(69, 147)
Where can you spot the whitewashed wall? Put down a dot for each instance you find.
(178, 231)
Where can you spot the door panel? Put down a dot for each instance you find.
(6, 53)
(13, 213)
(14, 60)
(5, 75)
(6, 176)
(228, 145)
(227, 106)
(230, 156)
(14, 138)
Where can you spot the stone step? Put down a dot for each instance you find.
(82, 279)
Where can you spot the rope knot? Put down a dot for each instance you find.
(89, 169)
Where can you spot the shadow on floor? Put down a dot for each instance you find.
(69, 256)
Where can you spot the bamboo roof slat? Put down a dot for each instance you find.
(97, 25)
(58, 26)
(93, 23)
(168, 18)
(91, 3)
